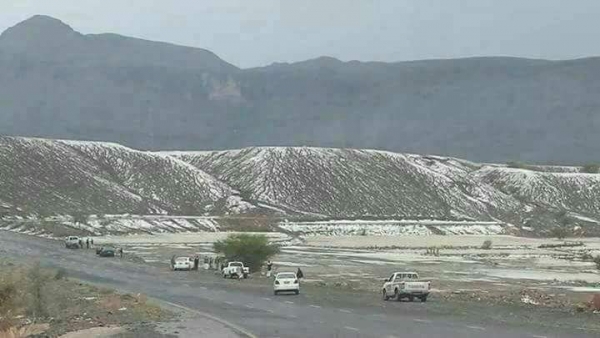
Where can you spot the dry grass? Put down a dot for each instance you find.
(34, 295)
(25, 331)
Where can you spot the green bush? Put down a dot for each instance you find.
(252, 250)
(487, 245)
(597, 261)
(515, 164)
(591, 168)
(559, 232)
(80, 218)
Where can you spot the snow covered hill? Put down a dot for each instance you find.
(49, 177)
(41, 178)
(356, 183)
(346, 183)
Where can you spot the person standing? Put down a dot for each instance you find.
(121, 252)
(196, 262)
(269, 268)
(87, 243)
(299, 274)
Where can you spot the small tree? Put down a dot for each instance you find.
(487, 245)
(80, 218)
(591, 168)
(559, 232)
(252, 250)
(597, 261)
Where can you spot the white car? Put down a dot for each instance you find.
(72, 242)
(286, 282)
(405, 285)
(182, 263)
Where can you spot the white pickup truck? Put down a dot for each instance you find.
(72, 242)
(235, 269)
(405, 285)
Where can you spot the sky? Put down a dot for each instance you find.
(251, 33)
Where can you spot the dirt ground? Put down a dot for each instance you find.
(516, 271)
(68, 306)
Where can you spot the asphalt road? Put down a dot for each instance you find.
(257, 310)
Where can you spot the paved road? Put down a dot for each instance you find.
(258, 311)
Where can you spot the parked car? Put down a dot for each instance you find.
(182, 263)
(106, 251)
(286, 282)
(235, 269)
(405, 285)
(72, 242)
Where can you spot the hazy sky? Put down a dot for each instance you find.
(258, 32)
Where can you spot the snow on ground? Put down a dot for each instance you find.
(584, 218)
(235, 204)
(412, 241)
(476, 229)
(390, 227)
(156, 224)
(180, 238)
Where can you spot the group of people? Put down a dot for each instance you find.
(88, 242)
(299, 273)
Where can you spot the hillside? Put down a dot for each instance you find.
(311, 189)
(350, 183)
(355, 183)
(53, 177)
(58, 83)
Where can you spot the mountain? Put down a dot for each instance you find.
(54, 177)
(262, 186)
(58, 83)
(359, 183)
(355, 183)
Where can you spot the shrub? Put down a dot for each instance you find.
(252, 250)
(515, 164)
(60, 274)
(487, 245)
(597, 261)
(559, 232)
(591, 168)
(80, 218)
(37, 284)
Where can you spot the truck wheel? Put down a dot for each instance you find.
(423, 299)
(384, 295)
(225, 276)
(397, 295)
(275, 292)
(411, 298)
(297, 292)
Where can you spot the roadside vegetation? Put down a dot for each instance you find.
(252, 250)
(592, 168)
(487, 245)
(35, 301)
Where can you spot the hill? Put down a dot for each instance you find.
(125, 190)
(58, 83)
(53, 177)
(363, 184)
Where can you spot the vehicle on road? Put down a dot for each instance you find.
(235, 269)
(405, 285)
(72, 242)
(286, 282)
(106, 251)
(182, 264)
